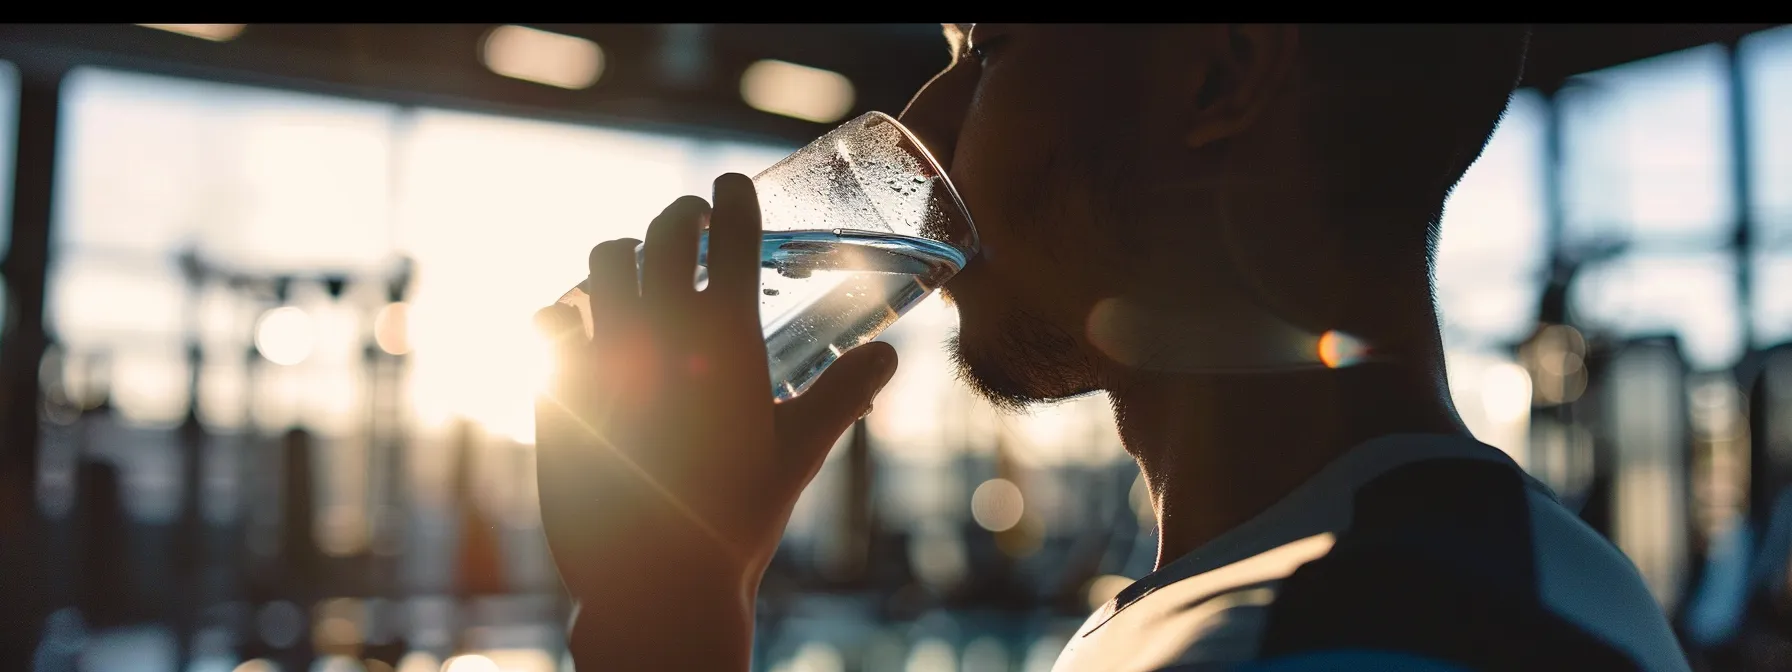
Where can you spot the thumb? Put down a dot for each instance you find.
(813, 421)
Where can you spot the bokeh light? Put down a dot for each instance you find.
(280, 623)
(470, 663)
(997, 505)
(817, 657)
(285, 335)
(985, 654)
(931, 655)
(419, 661)
(1506, 392)
(338, 664)
(521, 660)
(338, 625)
(938, 555)
(392, 328)
(1105, 587)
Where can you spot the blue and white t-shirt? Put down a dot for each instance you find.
(1409, 552)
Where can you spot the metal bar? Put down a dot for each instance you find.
(432, 85)
(1555, 222)
(1742, 190)
(1764, 470)
(21, 352)
(26, 265)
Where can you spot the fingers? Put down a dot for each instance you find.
(614, 288)
(813, 421)
(669, 265)
(734, 240)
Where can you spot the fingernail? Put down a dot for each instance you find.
(732, 181)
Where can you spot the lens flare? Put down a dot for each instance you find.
(1338, 349)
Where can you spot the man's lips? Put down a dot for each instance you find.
(962, 281)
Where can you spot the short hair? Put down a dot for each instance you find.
(1396, 114)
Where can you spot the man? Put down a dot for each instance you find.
(1181, 215)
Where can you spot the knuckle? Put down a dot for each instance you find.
(614, 247)
(690, 202)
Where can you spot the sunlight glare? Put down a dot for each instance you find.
(1506, 392)
(486, 370)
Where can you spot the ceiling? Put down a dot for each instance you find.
(438, 64)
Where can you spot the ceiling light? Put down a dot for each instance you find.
(542, 57)
(216, 32)
(798, 91)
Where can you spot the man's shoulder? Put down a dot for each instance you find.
(1465, 561)
(1444, 564)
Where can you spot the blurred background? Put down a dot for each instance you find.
(267, 360)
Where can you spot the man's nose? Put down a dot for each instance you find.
(937, 111)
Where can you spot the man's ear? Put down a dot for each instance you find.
(1248, 66)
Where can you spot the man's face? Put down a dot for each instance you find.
(1050, 134)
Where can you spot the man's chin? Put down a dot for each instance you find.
(1020, 361)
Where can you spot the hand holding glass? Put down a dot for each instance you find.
(860, 225)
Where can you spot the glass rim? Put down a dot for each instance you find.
(976, 242)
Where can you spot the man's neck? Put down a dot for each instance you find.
(1218, 450)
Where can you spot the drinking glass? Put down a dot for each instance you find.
(860, 225)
